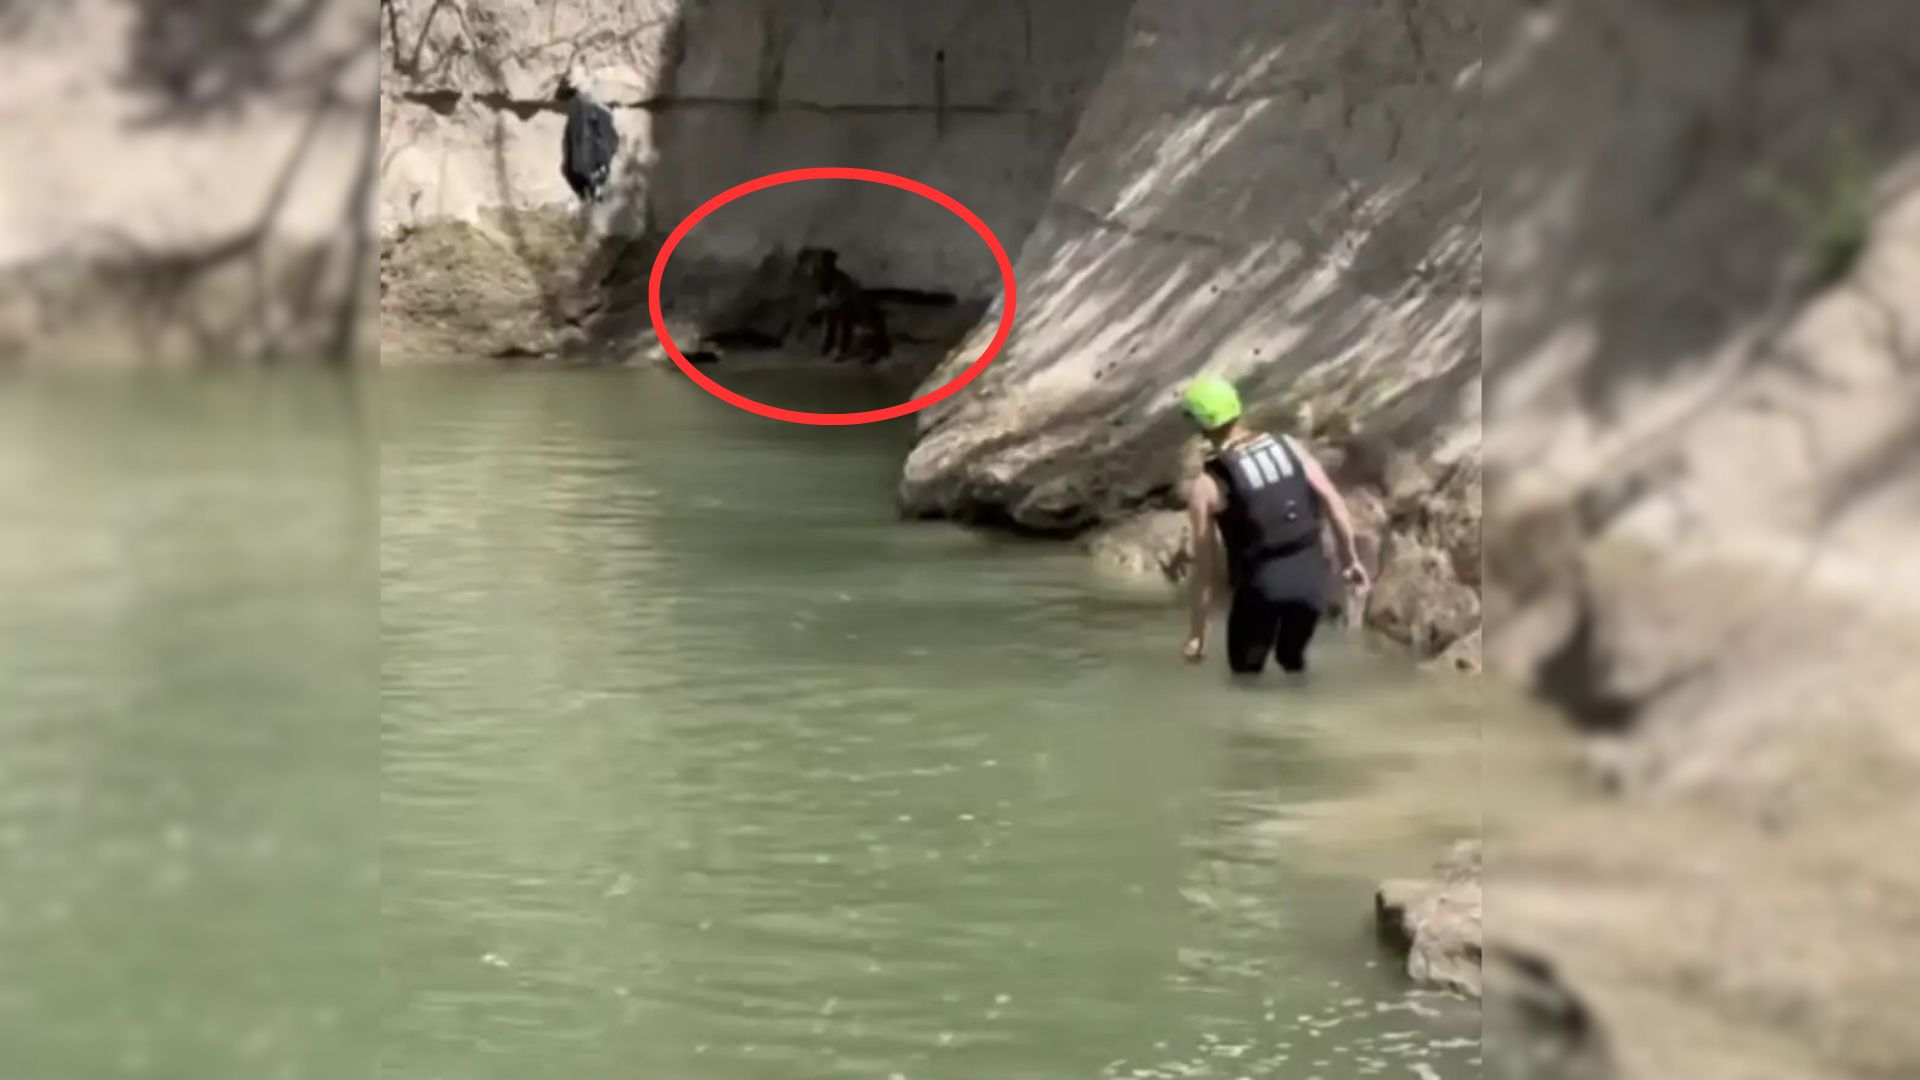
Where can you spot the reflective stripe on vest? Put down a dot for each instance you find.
(1261, 463)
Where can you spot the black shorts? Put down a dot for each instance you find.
(1257, 626)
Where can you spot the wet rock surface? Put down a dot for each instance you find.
(1435, 923)
(1156, 543)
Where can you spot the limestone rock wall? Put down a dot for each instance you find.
(976, 98)
(468, 121)
(1286, 193)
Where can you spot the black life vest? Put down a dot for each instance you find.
(1269, 510)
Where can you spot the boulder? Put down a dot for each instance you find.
(1157, 542)
(455, 288)
(1419, 600)
(1462, 656)
(1436, 922)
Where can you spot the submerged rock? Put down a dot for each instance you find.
(1462, 656)
(1436, 922)
(1158, 542)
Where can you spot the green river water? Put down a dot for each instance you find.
(471, 725)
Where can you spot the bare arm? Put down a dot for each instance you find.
(1337, 513)
(1202, 502)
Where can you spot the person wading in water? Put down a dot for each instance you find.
(1260, 501)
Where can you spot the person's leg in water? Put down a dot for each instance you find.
(1295, 623)
(1251, 623)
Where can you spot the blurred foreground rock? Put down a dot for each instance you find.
(187, 183)
(1704, 406)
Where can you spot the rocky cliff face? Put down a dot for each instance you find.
(1285, 193)
(975, 98)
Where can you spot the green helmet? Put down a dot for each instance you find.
(1212, 402)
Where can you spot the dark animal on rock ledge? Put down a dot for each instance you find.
(850, 316)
